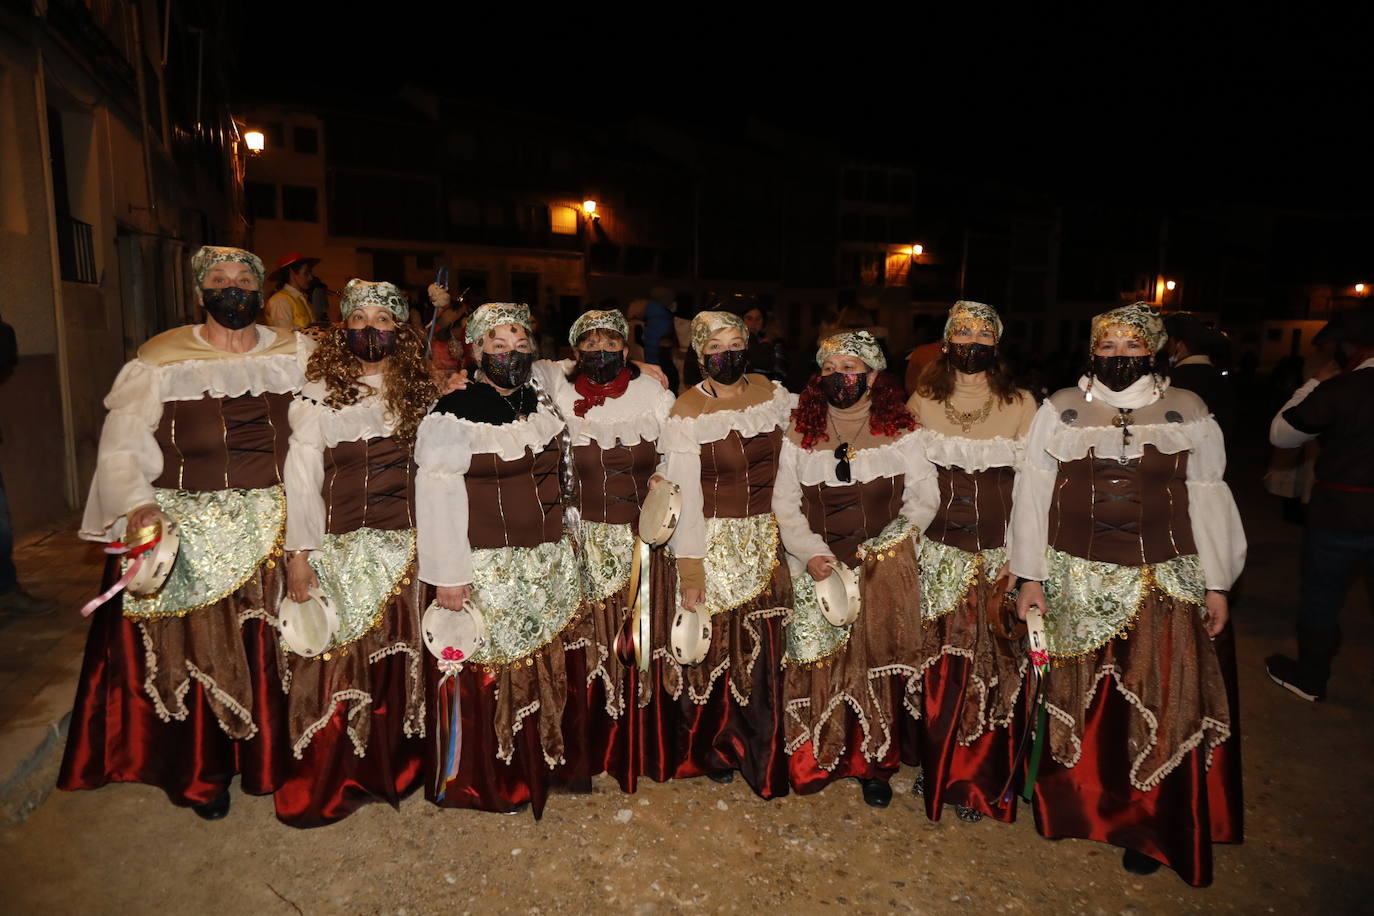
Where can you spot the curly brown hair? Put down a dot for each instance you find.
(887, 415)
(410, 389)
(936, 381)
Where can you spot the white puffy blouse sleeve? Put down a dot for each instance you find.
(443, 453)
(797, 536)
(921, 490)
(304, 477)
(129, 459)
(681, 464)
(1217, 530)
(1031, 496)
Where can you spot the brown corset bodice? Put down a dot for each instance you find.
(849, 515)
(369, 483)
(974, 508)
(514, 503)
(614, 481)
(1127, 514)
(737, 474)
(223, 443)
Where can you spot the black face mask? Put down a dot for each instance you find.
(369, 343)
(842, 389)
(971, 358)
(600, 366)
(1120, 372)
(726, 367)
(232, 307)
(508, 370)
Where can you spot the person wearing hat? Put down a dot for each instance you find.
(720, 445)
(851, 474)
(615, 413)
(180, 688)
(1125, 534)
(496, 511)
(290, 306)
(1335, 409)
(973, 428)
(355, 710)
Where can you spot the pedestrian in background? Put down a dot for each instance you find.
(290, 305)
(1192, 346)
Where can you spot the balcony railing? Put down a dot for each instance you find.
(76, 250)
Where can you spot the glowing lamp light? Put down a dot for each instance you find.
(589, 208)
(1170, 284)
(255, 140)
(917, 250)
(1359, 287)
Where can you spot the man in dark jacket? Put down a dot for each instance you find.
(1191, 352)
(1339, 413)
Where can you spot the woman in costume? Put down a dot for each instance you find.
(180, 689)
(495, 503)
(615, 413)
(1125, 534)
(355, 712)
(973, 426)
(850, 479)
(721, 447)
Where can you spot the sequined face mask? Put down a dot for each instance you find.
(508, 370)
(726, 367)
(971, 358)
(232, 307)
(1120, 372)
(370, 344)
(843, 389)
(600, 366)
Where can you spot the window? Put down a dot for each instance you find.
(564, 220)
(605, 257)
(862, 268)
(851, 225)
(299, 204)
(877, 187)
(639, 259)
(261, 197)
(276, 134)
(306, 140)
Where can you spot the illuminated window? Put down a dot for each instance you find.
(564, 220)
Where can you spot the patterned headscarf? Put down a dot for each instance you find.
(976, 315)
(1141, 319)
(607, 319)
(359, 293)
(853, 343)
(496, 314)
(708, 323)
(210, 255)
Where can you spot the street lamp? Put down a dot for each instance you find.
(255, 140)
(916, 250)
(1359, 288)
(589, 208)
(1170, 284)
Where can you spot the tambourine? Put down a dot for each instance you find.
(308, 627)
(691, 636)
(158, 561)
(659, 514)
(838, 595)
(1037, 644)
(453, 636)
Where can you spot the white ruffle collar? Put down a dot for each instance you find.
(689, 434)
(636, 416)
(507, 441)
(971, 455)
(891, 459)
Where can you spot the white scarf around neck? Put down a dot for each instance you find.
(1140, 393)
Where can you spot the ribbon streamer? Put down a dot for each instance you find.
(450, 734)
(136, 554)
(639, 605)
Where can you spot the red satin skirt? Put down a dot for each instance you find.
(331, 781)
(117, 736)
(973, 774)
(484, 781)
(1178, 820)
(806, 776)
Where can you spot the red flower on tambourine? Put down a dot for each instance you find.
(451, 654)
(1039, 657)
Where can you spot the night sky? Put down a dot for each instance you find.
(1218, 107)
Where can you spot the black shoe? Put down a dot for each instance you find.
(1137, 863)
(213, 810)
(967, 815)
(724, 777)
(877, 792)
(918, 785)
(1287, 673)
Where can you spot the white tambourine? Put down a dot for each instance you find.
(838, 595)
(453, 636)
(691, 636)
(157, 562)
(308, 627)
(659, 514)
